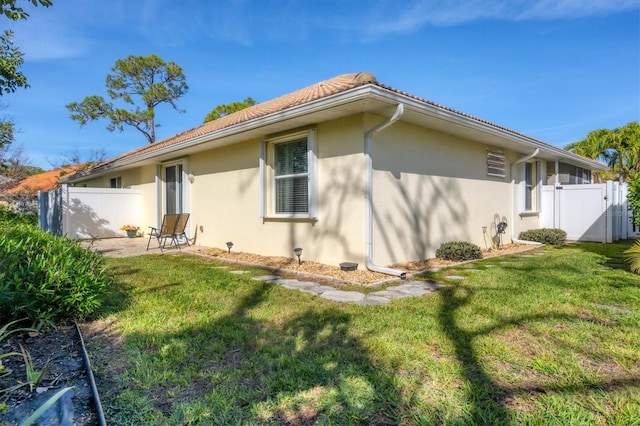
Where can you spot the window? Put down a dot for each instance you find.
(116, 182)
(528, 187)
(288, 176)
(496, 164)
(291, 177)
(572, 175)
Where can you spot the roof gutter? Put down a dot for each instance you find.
(352, 95)
(513, 197)
(368, 149)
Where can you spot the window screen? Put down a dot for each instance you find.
(291, 177)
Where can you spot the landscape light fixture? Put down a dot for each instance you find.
(229, 245)
(298, 252)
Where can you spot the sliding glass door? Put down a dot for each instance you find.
(174, 189)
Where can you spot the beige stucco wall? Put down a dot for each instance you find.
(429, 187)
(225, 199)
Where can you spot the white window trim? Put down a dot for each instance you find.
(536, 185)
(267, 176)
(161, 186)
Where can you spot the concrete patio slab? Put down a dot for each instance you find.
(128, 247)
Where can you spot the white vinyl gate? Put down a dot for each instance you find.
(594, 212)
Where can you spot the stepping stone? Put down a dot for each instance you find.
(472, 270)
(302, 284)
(390, 294)
(374, 300)
(267, 278)
(288, 284)
(505, 263)
(287, 281)
(489, 266)
(343, 296)
(427, 285)
(455, 277)
(319, 289)
(410, 289)
(239, 272)
(433, 286)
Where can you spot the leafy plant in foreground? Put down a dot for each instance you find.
(46, 278)
(632, 254)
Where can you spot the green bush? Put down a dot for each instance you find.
(459, 250)
(46, 278)
(551, 236)
(634, 198)
(9, 217)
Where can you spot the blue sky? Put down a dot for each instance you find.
(552, 69)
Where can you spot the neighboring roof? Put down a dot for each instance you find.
(278, 108)
(44, 181)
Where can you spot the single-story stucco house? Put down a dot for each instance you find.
(349, 169)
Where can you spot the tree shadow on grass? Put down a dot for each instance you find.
(487, 399)
(300, 369)
(613, 253)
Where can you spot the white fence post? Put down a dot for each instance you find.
(609, 213)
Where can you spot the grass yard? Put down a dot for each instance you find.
(543, 339)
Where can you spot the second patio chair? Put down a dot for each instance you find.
(173, 227)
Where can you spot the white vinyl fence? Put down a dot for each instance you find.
(86, 213)
(595, 212)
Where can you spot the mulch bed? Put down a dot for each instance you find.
(359, 276)
(58, 352)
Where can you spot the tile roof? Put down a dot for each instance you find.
(316, 91)
(40, 182)
(303, 96)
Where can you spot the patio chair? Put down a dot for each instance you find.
(173, 227)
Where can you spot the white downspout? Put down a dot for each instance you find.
(368, 149)
(513, 198)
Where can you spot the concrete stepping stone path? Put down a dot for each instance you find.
(409, 289)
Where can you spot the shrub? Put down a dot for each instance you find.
(551, 236)
(46, 278)
(459, 250)
(9, 217)
(632, 254)
(634, 197)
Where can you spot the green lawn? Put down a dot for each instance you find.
(548, 339)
